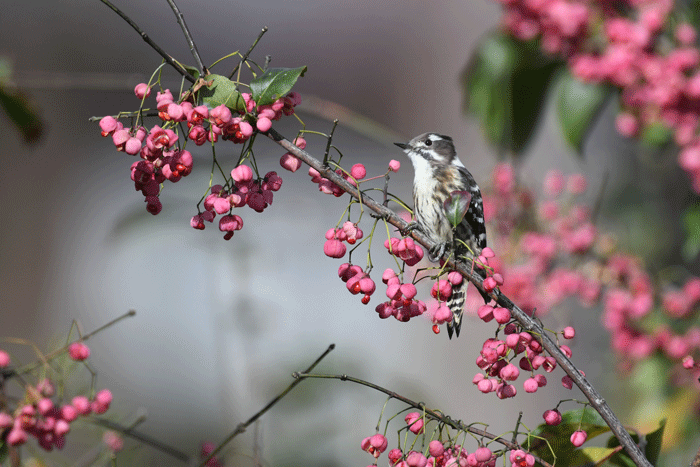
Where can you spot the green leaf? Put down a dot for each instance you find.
(656, 135)
(591, 456)
(559, 436)
(191, 70)
(505, 87)
(3, 452)
(691, 225)
(274, 83)
(222, 91)
(653, 439)
(579, 105)
(17, 107)
(456, 206)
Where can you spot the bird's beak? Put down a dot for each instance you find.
(402, 145)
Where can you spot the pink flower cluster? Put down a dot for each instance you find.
(349, 232)
(257, 194)
(438, 455)
(402, 304)
(496, 356)
(44, 420)
(629, 302)
(563, 255)
(653, 60)
(405, 249)
(538, 272)
(162, 160)
(357, 281)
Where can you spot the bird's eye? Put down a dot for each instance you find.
(428, 142)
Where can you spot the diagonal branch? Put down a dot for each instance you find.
(242, 426)
(188, 37)
(150, 42)
(526, 321)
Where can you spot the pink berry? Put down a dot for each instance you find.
(44, 406)
(569, 332)
(69, 413)
(334, 248)
(4, 359)
(81, 404)
(61, 427)
(6, 420)
(501, 315)
(108, 125)
(688, 362)
(290, 162)
(394, 165)
(358, 171)
(142, 90)
(578, 438)
(483, 454)
(416, 459)
(552, 417)
(263, 124)
(78, 351)
(16, 437)
(415, 422)
(242, 174)
(113, 441)
(435, 448)
(530, 385)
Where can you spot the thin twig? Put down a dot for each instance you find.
(145, 439)
(247, 54)
(47, 358)
(456, 424)
(188, 37)
(242, 426)
(526, 321)
(150, 42)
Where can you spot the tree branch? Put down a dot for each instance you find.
(526, 321)
(456, 424)
(188, 37)
(150, 42)
(242, 426)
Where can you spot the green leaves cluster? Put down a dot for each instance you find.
(265, 88)
(506, 84)
(558, 438)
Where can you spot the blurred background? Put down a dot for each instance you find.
(220, 326)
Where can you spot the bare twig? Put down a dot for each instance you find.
(456, 424)
(150, 42)
(247, 54)
(47, 358)
(242, 426)
(188, 37)
(526, 321)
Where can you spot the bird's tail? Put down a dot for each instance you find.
(456, 304)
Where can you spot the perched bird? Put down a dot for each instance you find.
(438, 173)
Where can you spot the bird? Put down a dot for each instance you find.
(438, 173)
